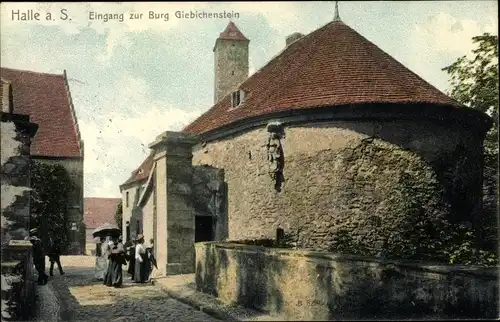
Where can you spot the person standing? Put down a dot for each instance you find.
(114, 275)
(38, 256)
(141, 261)
(151, 260)
(55, 257)
(131, 258)
(101, 259)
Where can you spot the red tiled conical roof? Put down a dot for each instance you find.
(232, 33)
(333, 65)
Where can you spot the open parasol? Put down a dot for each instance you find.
(107, 229)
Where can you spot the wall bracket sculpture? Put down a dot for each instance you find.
(275, 154)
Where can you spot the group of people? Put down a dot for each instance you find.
(112, 254)
(39, 254)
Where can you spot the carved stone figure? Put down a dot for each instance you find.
(275, 154)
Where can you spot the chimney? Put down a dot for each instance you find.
(6, 97)
(293, 37)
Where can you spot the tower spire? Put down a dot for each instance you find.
(337, 16)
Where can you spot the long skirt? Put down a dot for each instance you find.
(141, 270)
(114, 275)
(101, 267)
(131, 266)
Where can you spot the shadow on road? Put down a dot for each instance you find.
(83, 298)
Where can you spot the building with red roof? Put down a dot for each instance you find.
(98, 211)
(325, 93)
(46, 98)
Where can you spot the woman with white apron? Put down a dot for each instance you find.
(101, 263)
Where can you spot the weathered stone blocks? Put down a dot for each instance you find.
(174, 206)
(331, 178)
(302, 285)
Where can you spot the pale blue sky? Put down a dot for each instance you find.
(133, 80)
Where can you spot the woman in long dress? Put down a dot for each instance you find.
(114, 275)
(101, 261)
(141, 261)
(130, 249)
(151, 260)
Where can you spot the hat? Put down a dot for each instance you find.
(33, 231)
(139, 237)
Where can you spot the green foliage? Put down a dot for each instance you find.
(424, 230)
(51, 187)
(397, 209)
(394, 204)
(462, 249)
(345, 244)
(119, 214)
(474, 80)
(474, 83)
(286, 242)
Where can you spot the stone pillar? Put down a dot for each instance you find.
(174, 205)
(17, 131)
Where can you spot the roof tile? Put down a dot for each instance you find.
(98, 211)
(232, 33)
(333, 65)
(142, 172)
(46, 99)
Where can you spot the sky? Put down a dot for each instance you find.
(131, 80)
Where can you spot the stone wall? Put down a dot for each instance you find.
(17, 282)
(231, 66)
(148, 219)
(74, 166)
(316, 164)
(131, 212)
(15, 178)
(209, 198)
(175, 222)
(302, 285)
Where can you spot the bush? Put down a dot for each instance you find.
(267, 242)
(397, 209)
(51, 186)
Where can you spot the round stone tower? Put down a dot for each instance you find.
(362, 135)
(231, 61)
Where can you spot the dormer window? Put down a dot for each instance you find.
(237, 98)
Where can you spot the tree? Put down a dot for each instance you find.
(119, 214)
(51, 186)
(474, 82)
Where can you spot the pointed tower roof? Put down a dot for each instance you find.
(232, 33)
(337, 15)
(332, 66)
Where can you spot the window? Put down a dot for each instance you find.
(237, 98)
(126, 199)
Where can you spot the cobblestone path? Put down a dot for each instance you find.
(83, 299)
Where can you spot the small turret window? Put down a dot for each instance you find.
(237, 98)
